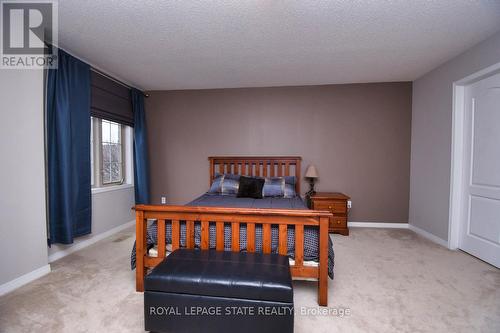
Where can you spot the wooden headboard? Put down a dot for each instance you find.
(263, 166)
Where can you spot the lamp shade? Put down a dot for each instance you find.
(312, 172)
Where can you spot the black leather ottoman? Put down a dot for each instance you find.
(209, 291)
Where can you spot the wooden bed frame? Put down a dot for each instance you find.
(254, 166)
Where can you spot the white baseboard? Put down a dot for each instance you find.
(429, 236)
(89, 241)
(377, 225)
(24, 279)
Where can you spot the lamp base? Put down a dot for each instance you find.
(310, 193)
(308, 197)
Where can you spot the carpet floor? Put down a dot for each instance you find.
(386, 280)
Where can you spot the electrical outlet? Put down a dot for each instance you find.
(349, 204)
(163, 200)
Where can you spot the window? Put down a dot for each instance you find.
(109, 150)
(111, 153)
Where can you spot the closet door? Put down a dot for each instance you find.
(480, 227)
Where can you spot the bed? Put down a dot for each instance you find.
(225, 222)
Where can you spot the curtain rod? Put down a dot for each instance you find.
(114, 79)
(92, 68)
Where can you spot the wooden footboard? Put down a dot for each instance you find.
(234, 216)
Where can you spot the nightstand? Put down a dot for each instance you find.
(336, 203)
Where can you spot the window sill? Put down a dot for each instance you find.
(111, 188)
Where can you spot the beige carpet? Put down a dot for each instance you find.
(385, 280)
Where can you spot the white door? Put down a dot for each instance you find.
(480, 227)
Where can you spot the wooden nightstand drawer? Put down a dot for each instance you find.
(338, 222)
(336, 207)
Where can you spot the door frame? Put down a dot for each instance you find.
(457, 151)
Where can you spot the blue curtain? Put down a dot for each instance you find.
(141, 167)
(68, 149)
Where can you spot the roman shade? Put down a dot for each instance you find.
(110, 100)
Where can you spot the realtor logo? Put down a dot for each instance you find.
(29, 31)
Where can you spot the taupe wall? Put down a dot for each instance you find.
(358, 135)
(431, 135)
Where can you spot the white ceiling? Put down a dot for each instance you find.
(158, 45)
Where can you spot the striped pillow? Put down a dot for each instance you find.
(274, 187)
(230, 184)
(216, 186)
(226, 184)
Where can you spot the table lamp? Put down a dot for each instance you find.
(311, 176)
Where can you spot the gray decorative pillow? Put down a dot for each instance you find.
(230, 184)
(290, 180)
(274, 187)
(289, 191)
(216, 184)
